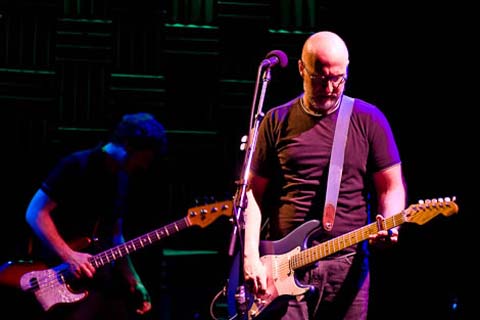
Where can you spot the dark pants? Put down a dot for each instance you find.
(341, 291)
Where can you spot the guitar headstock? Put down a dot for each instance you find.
(426, 210)
(204, 215)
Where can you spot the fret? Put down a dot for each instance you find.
(142, 241)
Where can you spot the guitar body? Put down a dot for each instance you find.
(281, 258)
(12, 271)
(281, 281)
(54, 286)
(50, 286)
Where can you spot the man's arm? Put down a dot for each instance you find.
(254, 271)
(391, 193)
(39, 218)
(128, 270)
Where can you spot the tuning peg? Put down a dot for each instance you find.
(243, 145)
(447, 199)
(441, 202)
(436, 201)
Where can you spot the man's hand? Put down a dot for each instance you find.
(384, 238)
(80, 265)
(140, 292)
(255, 276)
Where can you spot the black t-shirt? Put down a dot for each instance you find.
(85, 191)
(89, 198)
(293, 151)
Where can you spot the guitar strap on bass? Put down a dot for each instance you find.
(336, 162)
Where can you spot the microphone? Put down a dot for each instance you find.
(275, 57)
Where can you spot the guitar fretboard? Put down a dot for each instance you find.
(420, 214)
(317, 252)
(140, 242)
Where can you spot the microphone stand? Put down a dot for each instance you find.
(240, 201)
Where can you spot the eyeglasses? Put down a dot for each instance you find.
(336, 80)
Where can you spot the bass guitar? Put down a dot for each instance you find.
(52, 286)
(283, 257)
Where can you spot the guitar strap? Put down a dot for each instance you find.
(336, 162)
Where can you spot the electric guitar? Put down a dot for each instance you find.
(283, 257)
(53, 286)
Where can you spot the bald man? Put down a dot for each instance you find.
(287, 190)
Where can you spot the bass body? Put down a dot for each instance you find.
(53, 286)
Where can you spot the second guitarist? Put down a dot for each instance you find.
(98, 189)
(288, 186)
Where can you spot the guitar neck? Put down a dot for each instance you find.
(324, 249)
(140, 242)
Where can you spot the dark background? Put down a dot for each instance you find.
(69, 69)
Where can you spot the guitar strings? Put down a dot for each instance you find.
(61, 274)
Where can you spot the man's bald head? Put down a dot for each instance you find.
(325, 47)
